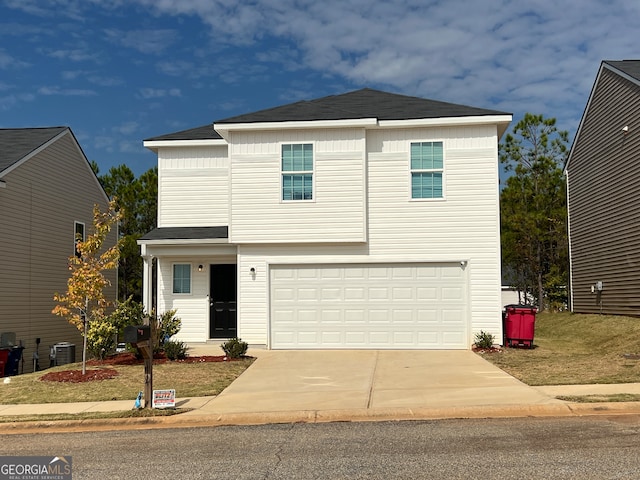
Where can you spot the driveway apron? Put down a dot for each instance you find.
(299, 380)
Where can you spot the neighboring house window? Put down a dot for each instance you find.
(181, 278)
(297, 172)
(78, 236)
(427, 168)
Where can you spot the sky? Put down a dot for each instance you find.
(120, 71)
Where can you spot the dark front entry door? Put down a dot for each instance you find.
(223, 321)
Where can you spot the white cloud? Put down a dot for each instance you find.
(127, 128)
(465, 51)
(8, 61)
(75, 54)
(147, 93)
(145, 41)
(67, 92)
(10, 101)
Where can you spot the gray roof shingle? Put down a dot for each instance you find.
(630, 67)
(364, 103)
(183, 233)
(17, 143)
(205, 132)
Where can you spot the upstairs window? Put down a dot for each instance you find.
(427, 168)
(297, 172)
(78, 236)
(181, 278)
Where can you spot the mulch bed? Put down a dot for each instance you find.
(104, 373)
(482, 351)
(76, 376)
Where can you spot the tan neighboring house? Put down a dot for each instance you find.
(47, 194)
(603, 188)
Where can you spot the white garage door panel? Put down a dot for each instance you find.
(363, 306)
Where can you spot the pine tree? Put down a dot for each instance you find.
(533, 209)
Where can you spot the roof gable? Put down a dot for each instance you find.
(628, 69)
(18, 143)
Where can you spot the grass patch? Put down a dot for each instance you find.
(617, 397)
(52, 417)
(573, 349)
(188, 379)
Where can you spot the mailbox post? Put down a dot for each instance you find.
(140, 337)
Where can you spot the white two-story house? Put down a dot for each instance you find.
(362, 220)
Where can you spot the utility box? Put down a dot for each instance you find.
(136, 333)
(519, 325)
(64, 352)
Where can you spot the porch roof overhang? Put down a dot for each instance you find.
(186, 235)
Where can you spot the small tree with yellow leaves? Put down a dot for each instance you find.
(84, 300)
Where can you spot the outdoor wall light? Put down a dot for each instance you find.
(200, 267)
(252, 270)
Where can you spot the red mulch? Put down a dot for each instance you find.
(102, 373)
(482, 351)
(75, 376)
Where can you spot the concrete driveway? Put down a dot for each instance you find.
(370, 380)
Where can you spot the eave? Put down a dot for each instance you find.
(154, 145)
(224, 128)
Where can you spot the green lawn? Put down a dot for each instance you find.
(575, 349)
(187, 379)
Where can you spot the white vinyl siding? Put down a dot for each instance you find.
(337, 212)
(193, 187)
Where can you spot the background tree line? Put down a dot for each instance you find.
(137, 200)
(533, 212)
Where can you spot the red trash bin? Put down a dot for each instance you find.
(519, 325)
(4, 358)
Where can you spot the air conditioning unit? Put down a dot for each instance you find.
(65, 352)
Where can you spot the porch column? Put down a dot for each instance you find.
(147, 283)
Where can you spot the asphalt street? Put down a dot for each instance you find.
(534, 448)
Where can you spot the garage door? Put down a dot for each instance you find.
(363, 306)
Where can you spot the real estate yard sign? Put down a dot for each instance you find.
(164, 399)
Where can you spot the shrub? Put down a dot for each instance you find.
(175, 350)
(484, 340)
(101, 332)
(127, 313)
(101, 338)
(163, 327)
(234, 348)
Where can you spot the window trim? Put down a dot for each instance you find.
(427, 170)
(311, 172)
(76, 223)
(173, 276)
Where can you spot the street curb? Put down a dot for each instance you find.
(325, 416)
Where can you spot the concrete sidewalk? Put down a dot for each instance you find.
(345, 385)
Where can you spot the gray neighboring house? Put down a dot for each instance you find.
(603, 192)
(47, 194)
